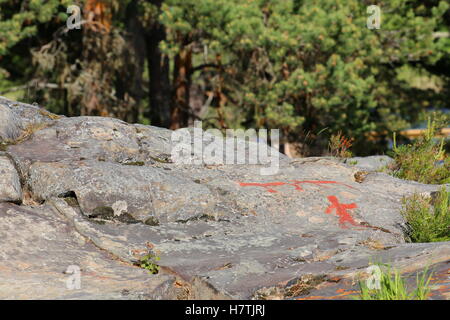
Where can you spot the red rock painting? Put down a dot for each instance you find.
(295, 183)
(341, 210)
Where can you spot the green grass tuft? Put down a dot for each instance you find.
(393, 286)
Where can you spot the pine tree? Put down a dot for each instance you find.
(310, 68)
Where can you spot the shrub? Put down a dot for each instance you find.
(148, 262)
(427, 220)
(340, 145)
(419, 161)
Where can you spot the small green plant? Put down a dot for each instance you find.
(149, 262)
(340, 145)
(418, 161)
(3, 145)
(392, 286)
(427, 219)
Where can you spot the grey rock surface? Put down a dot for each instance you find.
(102, 194)
(370, 163)
(39, 247)
(10, 188)
(9, 124)
(25, 115)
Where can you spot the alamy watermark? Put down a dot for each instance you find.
(211, 147)
(74, 20)
(373, 282)
(73, 282)
(374, 20)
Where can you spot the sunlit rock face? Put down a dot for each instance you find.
(9, 124)
(92, 191)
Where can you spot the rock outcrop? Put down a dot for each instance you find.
(9, 124)
(100, 194)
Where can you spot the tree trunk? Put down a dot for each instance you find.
(182, 84)
(99, 17)
(135, 39)
(158, 67)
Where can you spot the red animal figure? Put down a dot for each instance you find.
(341, 211)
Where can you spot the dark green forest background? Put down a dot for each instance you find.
(309, 68)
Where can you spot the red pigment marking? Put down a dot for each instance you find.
(321, 182)
(267, 186)
(296, 184)
(341, 211)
